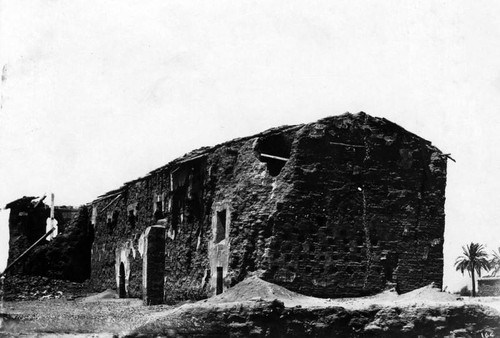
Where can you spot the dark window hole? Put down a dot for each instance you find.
(274, 150)
(131, 218)
(220, 231)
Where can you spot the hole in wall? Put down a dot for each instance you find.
(274, 150)
(131, 218)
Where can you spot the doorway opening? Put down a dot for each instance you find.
(122, 293)
(218, 289)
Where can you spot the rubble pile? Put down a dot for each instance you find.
(20, 288)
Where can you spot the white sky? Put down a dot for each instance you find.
(96, 93)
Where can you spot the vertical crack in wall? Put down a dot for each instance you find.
(367, 240)
(420, 194)
(365, 223)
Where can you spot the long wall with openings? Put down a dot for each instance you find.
(339, 207)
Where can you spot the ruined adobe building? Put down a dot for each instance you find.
(66, 257)
(339, 207)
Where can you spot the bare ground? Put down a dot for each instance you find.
(104, 316)
(249, 308)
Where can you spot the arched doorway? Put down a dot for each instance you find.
(121, 285)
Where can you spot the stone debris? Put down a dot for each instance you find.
(22, 288)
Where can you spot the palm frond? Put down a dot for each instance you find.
(474, 258)
(495, 262)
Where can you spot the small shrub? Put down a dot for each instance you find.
(465, 291)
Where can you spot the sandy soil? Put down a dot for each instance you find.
(105, 314)
(98, 314)
(254, 288)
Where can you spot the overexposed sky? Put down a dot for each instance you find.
(96, 93)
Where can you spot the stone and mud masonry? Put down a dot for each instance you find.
(331, 228)
(256, 308)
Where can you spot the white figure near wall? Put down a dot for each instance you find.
(51, 221)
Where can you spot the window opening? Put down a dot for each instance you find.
(112, 221)
(159, 211)
(220, 231)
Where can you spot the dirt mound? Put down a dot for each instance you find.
(254, 288)
(427, 293)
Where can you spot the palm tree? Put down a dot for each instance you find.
(495, 262)
(473, 260)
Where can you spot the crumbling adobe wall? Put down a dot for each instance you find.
(185, 196)
(366, 208)
(185, 245)
(229, 178)
(66, 257)
(340, 207)
(250, 194)
(117, 237)
(26, 226)
(122, 217)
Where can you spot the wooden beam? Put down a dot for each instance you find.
(40, 201)
(274, 157)
(449, 156)
(108, 196)
(348, 145)
(26, 252)
(109, 204)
